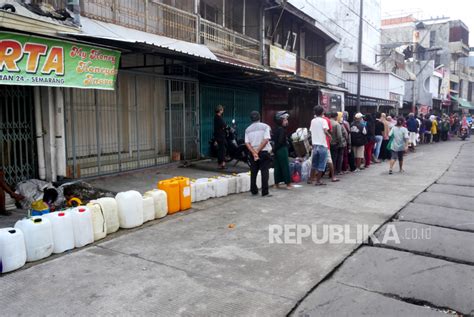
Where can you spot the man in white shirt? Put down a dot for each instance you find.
(257, 138)
(319, 135)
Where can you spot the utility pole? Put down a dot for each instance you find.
(359, 58)
(415, 50)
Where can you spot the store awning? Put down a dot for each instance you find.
(112, 32)
(463, 103)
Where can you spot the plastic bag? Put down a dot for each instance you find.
(296, 177)
(301, 134)
(33, 190)
(305, 170)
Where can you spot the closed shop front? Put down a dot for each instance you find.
(136, 126)
(237, 102)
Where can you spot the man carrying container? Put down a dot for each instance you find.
(257, 138)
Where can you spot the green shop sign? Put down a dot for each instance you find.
(38, 61)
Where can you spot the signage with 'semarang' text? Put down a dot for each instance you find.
(37, 61)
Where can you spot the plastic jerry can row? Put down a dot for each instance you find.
(35, 238)
(38, 237)
(205, 188)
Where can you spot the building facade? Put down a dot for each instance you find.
(433, 55)
(179, 60)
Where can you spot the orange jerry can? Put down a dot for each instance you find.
(171, 187)
(184, 192)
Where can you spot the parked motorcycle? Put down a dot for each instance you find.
(463, 133)
(235, 149)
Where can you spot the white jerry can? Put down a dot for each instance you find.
(110, 210)
(271, 177)
(160, 201)
(148, 208)
(202, 189)
(232, 184)
(130, 209)
(38, 235)
(63, 231)
(82, 226)
(222, 186)
(12, 249)
(99, 222)
(243, 182)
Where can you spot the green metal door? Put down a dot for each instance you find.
(238, 103)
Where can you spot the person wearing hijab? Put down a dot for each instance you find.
(280, 139)
(465, 125)
(391, 122)
(346, 131)
(434, 129)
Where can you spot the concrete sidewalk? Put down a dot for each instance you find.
(429, 271)
(145, 180)
(194, 263)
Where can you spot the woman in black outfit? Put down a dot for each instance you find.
(220, 136)
(281, 163)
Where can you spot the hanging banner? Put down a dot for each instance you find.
(281, 59)
(37, 61)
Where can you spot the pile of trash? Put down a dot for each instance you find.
(41, 195)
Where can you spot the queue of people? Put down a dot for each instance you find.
(338, 147)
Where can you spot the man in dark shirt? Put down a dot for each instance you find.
(427, 124)
(379, 130)
(220, 136)
(412, 126)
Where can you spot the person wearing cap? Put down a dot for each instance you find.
(359, 140)
(280, 148)
(320, 135)
(257, 138)
(220, 136)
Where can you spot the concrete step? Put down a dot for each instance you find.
(438, 216)
(446, 200)
(451, 189)
(445, 243)
(336, 299)
(414, 278)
